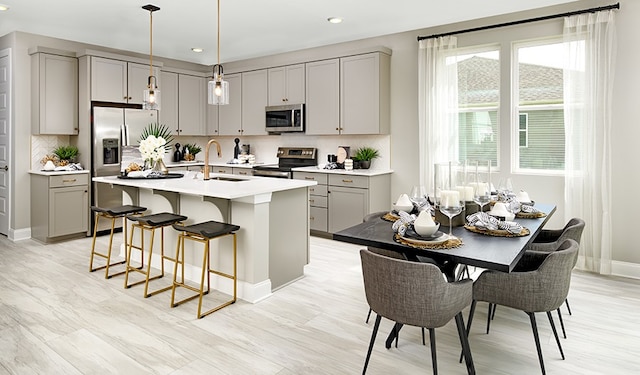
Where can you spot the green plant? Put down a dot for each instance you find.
(193, 148)
(66, 152)
(366, 154)
(158, 131)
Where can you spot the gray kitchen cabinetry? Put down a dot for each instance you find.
(254, 99)
(192, 102)
(227, 119)
(287, 85)
(119, 81)
(169, 100)
(364, 94)
(54, 93)
(323, 97)
(351, 197)
(59, 205)
(242, 171)
(318, 208)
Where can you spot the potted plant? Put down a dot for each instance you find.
(364, 155)
(66, 154)
(193, 149)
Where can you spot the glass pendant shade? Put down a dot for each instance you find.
(151, 95)
(218, 88)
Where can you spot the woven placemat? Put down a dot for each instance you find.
(498, 232)
(390, 216)
(530, 215)
(451, 243)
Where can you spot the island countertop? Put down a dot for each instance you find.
(246, 187)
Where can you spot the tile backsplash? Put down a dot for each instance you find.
(43, 145)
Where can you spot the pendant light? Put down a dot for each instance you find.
(151, 95)
(218, 88)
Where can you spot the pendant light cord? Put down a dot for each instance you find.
(218, 32)
(151, 43)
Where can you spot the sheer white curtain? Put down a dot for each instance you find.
(588, 81)
(438, 103)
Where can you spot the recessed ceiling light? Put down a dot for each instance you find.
(197, 50)
(334, 19)
(3, 7)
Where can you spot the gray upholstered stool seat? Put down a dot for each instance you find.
(203, 233)
(150, 223)
(111, 213)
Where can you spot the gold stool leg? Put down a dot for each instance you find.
(93, 243)
(107, 256)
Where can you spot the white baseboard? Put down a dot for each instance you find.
(19, 234)
(625, 269)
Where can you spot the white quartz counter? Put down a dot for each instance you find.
(355, 172)
(246, 187)
(58, 173)
(200, 163)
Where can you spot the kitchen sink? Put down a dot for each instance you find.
(230, 179)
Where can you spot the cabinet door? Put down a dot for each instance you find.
(254, 99)
(109, 80)
(347, 207)
(277, 88)
(286, 85)
(138, 80)
(230, 115)
(191, 105)
(68, 209)
(364, 94)
(318, 219)
(55, 94)
(323, 97)
(169, 101)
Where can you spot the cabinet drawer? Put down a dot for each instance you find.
(318, 219)
(349, 181)
(321, 178)
(227, 170)
(317, 201)
(320, 190)
(69, 180)
(243, 171)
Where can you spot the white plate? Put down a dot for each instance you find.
(438, 237)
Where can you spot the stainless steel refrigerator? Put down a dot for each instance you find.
(113, 129)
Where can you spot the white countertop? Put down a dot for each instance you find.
(200, 163)
(57, 173)
(355, 172)
(250, 186)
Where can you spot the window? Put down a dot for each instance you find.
(478, 104)
(539, 107)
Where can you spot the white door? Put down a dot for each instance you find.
(5, 123)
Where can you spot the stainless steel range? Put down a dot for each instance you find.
(288, 158)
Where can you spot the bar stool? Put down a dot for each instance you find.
(203, 233)
(151, 223)
(112, 213)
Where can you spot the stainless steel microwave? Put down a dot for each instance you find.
(285, 118)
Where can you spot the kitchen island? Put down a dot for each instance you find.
(273, 240)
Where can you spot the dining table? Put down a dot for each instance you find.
(477, 248)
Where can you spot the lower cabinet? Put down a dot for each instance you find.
(340, 201)
(59, 205)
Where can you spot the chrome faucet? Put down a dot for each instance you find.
(206, 157)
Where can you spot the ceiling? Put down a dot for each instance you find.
(249, 28)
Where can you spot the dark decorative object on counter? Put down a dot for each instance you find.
(177, 156)
(236, 149)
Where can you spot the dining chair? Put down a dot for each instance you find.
(413, 293)
(542, 289)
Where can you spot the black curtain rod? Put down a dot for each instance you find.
(544, 18)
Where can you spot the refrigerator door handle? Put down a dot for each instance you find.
(125, 134)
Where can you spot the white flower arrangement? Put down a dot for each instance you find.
(152, 148)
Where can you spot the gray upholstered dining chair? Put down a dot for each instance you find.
(543, 289)
(412, 293)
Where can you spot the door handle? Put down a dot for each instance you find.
(6, 168)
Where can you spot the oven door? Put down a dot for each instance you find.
(274, 172)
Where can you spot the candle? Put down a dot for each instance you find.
(450, 198)
(466, 193)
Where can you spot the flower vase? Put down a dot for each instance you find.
(160, 167)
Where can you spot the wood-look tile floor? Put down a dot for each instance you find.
(57, 318)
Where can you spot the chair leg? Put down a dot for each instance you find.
(376, 325)
(423, 342)
(472, 311)
(566, 302)
(432, 342)
(462, 334)
(493, 312)
(564, 333)
(393, 335)
(368, 316)
(489, 313)
(555, 332)
(534, 327)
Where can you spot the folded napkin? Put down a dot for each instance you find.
(484, 221)
(529, 209)
(400, 226)
(70, 167)
(137, 174)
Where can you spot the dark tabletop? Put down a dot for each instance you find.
(496, 253)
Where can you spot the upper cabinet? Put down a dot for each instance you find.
(169, 100)
(364, 94)
(192, 102)
(287, 85)
(54, 94)
(119, 81)
(254, 99)
(323, 97)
